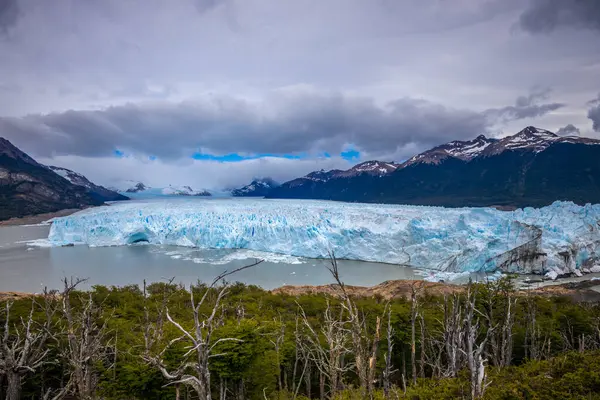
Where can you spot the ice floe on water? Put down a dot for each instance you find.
(554, 240)
(226, 257)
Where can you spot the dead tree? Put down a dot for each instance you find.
(453, 335)
(414, 314)
(277, 342)
(364, 344)
(474, 348)
(537, 340)
(498, 309)
(301, 356)
(327, 348)
(193, 367)
(389, 368)
(23, 346)
(86, 342)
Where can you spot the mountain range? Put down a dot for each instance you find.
(534, 167)
(28, 187)
(139, 189)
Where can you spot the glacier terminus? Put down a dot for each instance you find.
(558, 239)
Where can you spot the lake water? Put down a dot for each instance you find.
(28, 268)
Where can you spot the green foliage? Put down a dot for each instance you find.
(251, 364)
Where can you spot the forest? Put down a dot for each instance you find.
(226, 340)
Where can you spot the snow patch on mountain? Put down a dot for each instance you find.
(73, 177)
(531, 138)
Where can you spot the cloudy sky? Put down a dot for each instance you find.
(211, 93)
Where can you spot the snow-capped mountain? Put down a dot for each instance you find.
(257, 188)
(375, 168)
(183, 191)
(536, 140)
(464, 150)
(529, 139)
(137, 187)
(370, 168)
(533, 167)
(95, 190)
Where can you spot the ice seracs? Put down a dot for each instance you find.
(554, 240)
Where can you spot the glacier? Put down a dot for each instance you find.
(558, 239)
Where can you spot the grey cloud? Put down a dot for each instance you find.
(594, 113)
(568, 130)
(543, 16)
(287, 122)
(206, 5)
(529, 106)
(9, 14)
(198, 174)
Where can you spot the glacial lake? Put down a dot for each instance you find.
(28, 268)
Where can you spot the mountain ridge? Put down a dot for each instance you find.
(480, 172)
(98, 191)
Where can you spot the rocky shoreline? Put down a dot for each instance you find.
(580, 291)
(38, 218)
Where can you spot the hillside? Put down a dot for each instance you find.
(27, 187)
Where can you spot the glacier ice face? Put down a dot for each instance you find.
(559, 238)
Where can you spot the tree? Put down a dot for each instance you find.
(474, 347)
(24, 345)
(327, 348)
(364, 344)
(85, 345)
(192, 369)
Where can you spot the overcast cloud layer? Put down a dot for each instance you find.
(133, 89)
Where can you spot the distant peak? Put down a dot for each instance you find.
(10, 150)
(481, 137)
(533, 131)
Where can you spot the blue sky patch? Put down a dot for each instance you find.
(234, 157)
(350, 155)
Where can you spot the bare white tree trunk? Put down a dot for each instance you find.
(389, 369)
(23, 346)
(86, 342)
(193, 368)
(475, 348)
(327, 354)
(364, 344)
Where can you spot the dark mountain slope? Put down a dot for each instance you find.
(27, 187)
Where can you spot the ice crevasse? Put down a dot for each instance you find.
(557, 239)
